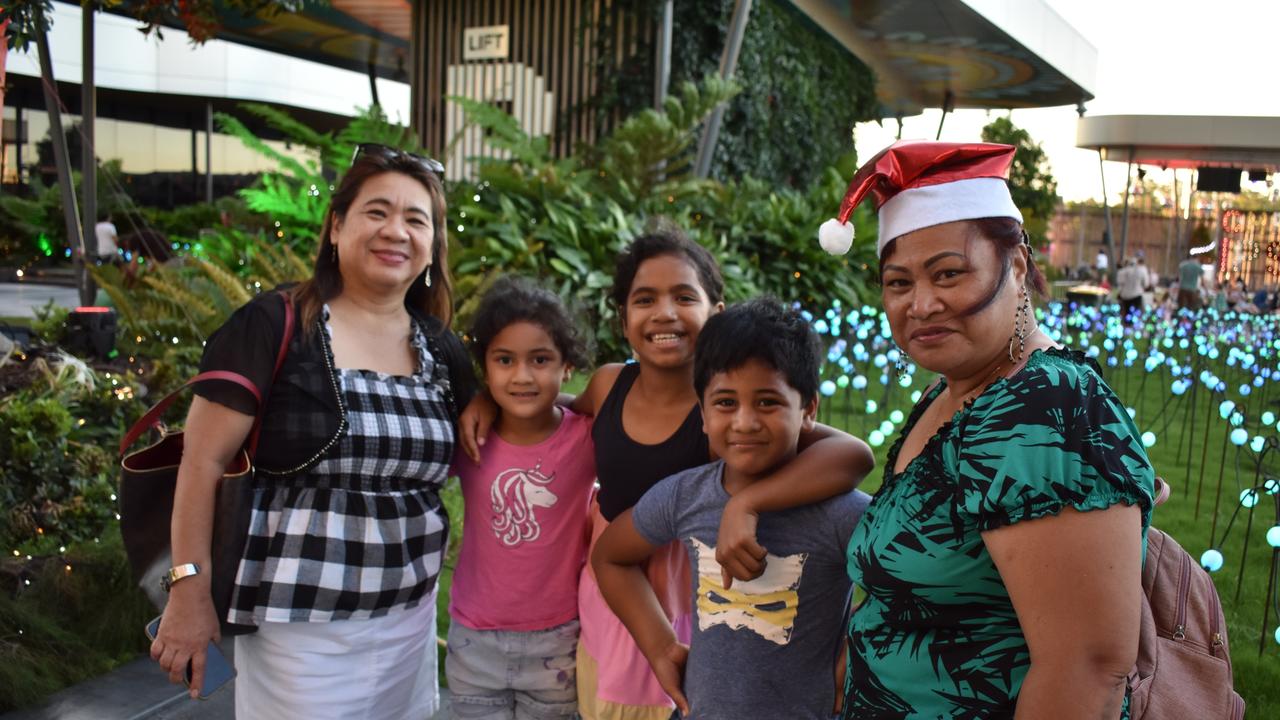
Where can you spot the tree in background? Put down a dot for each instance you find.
(1031, 182)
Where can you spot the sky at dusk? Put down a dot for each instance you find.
(1155, 57)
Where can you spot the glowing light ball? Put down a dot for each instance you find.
(1237, 419)
(827, 388)
(1179, 387)
(1248, 498)
(1148, 439)
(1132, 413)
(1211, 560)
(1257, 382)
(905, 380)
(821, 327)
(1239, 436)
(1225, 408)
(1273, 536)
(915, 397)
(1268, 418)
(1272, 486)
(886, 427)
(880, 360)
(1245, 390)
(871, 406)
(875, 438)
(895, 417)
(884, 378)
(1278, 636)
(842, 381)
(859, 382)
(1257, 443)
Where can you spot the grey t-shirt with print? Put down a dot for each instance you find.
(765, 648)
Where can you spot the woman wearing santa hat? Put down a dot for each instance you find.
(1002, 556)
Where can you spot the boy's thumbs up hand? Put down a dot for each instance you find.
(737, 551)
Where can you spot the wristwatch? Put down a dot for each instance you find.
(178, 572)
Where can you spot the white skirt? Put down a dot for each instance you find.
(379, 669)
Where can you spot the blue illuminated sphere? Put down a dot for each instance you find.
(871, 406)
(1239, 436)
(1278, 636)
(1245, 390)
(1248, 498)
(915, 396)
(1237, 419)
(1211, 560)
(880, 360)
(859, 382)
(1225, 408)
(1272, 486)
(1132, 413)
(886, 427)
(1268, 418)
(1257, 443)
(895, 416)
(827, 388)
(875, 438)
(905, 380)
(1148, 439)
(842, 381)
(1273, 536)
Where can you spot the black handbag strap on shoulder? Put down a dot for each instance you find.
(152, 417)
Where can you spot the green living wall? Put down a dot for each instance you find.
(802, 92)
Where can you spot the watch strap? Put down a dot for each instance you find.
(178, 572)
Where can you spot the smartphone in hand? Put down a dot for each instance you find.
(217, 669)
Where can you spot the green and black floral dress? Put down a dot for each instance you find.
(937, 636)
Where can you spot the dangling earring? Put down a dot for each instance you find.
(333, 253)
(1021, 322)
(900, 365)
(427, 279)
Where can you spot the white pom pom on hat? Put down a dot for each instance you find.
(836, 237)
(918, 183)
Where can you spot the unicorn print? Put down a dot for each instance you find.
(512, 498)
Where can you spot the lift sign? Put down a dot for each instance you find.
(485, 43)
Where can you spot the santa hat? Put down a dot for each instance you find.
(919, 183)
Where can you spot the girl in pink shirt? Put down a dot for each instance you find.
(524, 539)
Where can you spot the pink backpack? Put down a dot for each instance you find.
(1183, 669)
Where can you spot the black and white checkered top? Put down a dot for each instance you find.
(363, 532)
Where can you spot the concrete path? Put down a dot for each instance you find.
(140, 691)
(21, 299)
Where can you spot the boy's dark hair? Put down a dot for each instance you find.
(666, 240)
(760, 329)
(514, 299)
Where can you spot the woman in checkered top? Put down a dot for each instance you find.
(337, 581)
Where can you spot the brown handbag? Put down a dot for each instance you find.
(149, 476)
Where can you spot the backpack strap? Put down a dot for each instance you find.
(152, 417)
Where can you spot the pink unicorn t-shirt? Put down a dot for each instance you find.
(524, 533)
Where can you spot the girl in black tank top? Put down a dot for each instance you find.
(631, 468)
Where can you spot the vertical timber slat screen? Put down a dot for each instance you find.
(548, 79)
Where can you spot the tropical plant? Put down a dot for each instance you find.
(59, 473)
(1031, 181)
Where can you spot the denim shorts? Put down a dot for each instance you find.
(496, 674)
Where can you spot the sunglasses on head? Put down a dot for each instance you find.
(386, 151)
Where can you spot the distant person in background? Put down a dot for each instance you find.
(1190, 283)
(1237, 294)
(1102, 263)
(108, 241)
(1131, 282)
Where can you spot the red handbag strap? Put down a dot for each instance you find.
(280, 356)
(152, 417)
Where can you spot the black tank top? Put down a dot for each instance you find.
(626, 468)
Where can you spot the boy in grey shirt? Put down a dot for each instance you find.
(768, 648)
